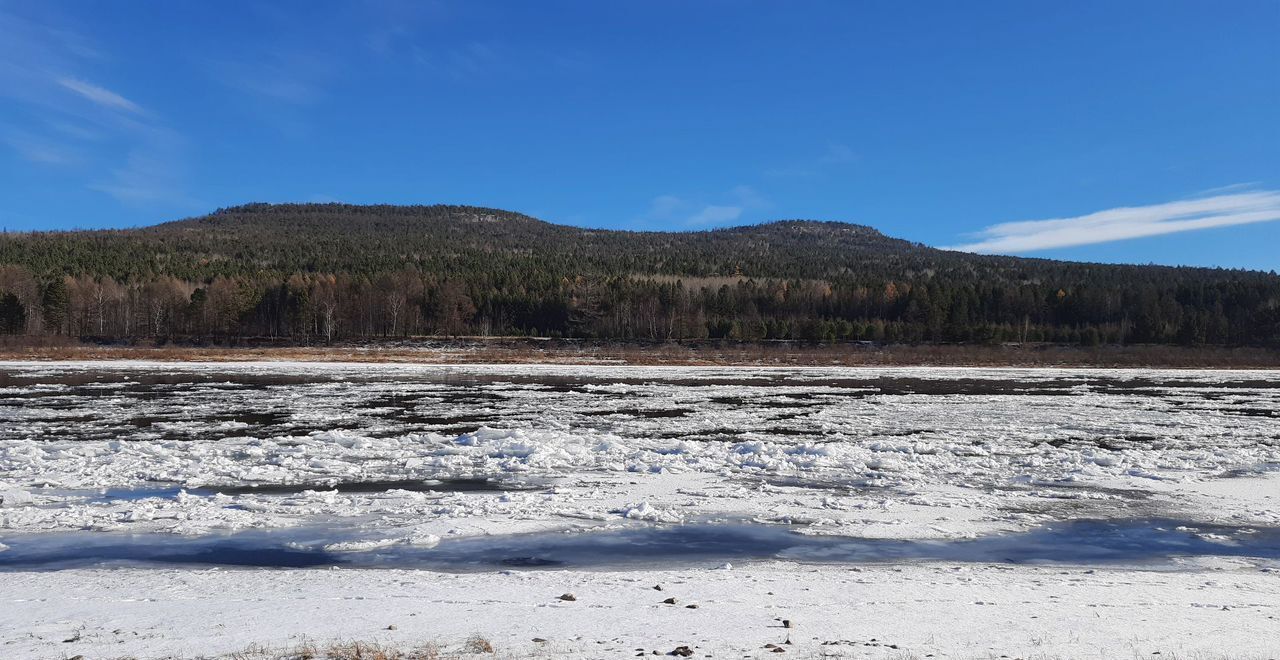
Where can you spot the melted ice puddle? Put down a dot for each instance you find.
(1087, 542)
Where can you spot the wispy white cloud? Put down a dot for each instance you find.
(1229, 188)
(282, 74)
(63, 118)
(664, 207)
(726, 207)
(100, 95)
(153, 172)
(37, 150)
(1127, 222)
(835, 155)
(713, 214)
(465, 62)
(838, 154)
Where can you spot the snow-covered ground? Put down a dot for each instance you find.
(878, 611)
(377, 464)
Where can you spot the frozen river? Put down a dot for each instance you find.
(400, 454)
(460, 469)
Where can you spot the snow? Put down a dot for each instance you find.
(15, 498)
(902, 453)
(940, 609)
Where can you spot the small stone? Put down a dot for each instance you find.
(682, 651)
(539, 640)
(670, 601)
(657, 587)
(391, 627)
(569, 597)
(691, 606)
(786, 623)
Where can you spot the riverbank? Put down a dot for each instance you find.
(479, 350)
(1212, 609)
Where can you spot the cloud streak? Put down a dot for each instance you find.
(698, 213)
(63, 119)
(1127, 222)
(715, 213)
(100, 95)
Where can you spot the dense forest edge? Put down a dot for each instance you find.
(319, 274)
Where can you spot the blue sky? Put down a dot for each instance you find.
(1149, 131)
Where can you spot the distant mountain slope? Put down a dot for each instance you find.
(342, 270)
(367, 239)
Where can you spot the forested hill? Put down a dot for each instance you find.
(467, 241)
(331, 271)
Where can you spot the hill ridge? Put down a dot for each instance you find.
(304, 270)
(505, 214)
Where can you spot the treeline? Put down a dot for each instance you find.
(317, 273)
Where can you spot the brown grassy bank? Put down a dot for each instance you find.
(535, 351)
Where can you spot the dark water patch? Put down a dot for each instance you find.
(1117, 385)
(904, 433)
(1075, 542)
(413, 485)
(584, 383)
(78, 550)
(893, 386)
(649, 413)
(461, 396)
(392, 401)
(1079, 542)
(790, 432)
(1251, 412)
(1107, 442)
(449, 420)
(91, 380)
(707, 435)
(17, 398)
(146, 421)
(257, 418)
(85, 417)
(173, 491)
(806, 403)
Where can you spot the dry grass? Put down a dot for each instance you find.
(708, 353)
(479, 648)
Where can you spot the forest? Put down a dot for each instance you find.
(316, 273)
